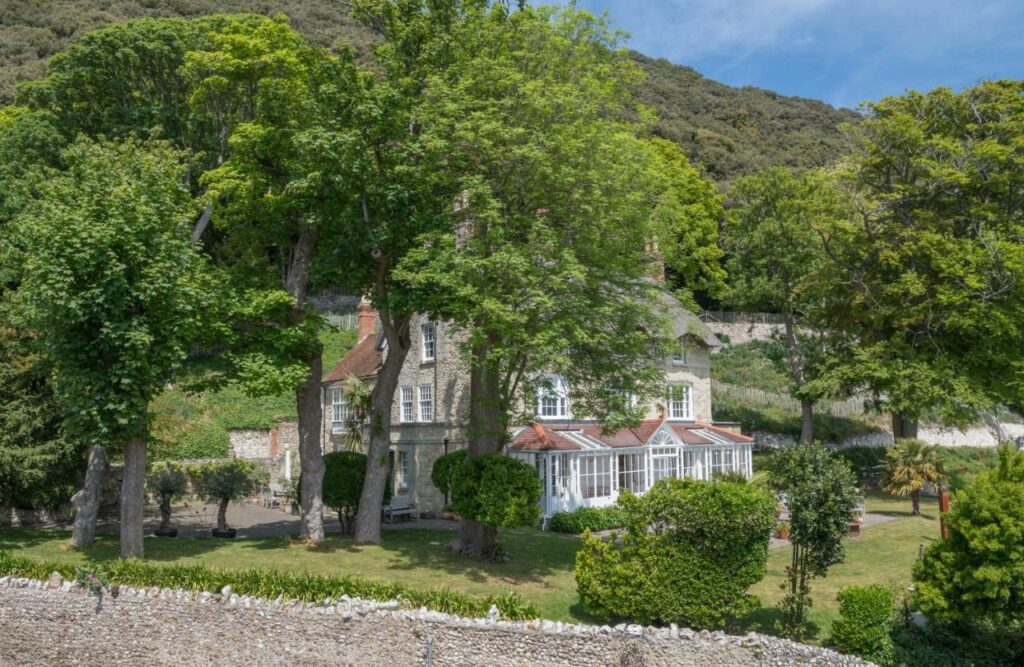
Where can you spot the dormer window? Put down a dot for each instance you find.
(679, 358)
(429, 338)
(553, 398)
(680, 401)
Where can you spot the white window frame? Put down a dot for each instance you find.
(425, 403)
(406, 405)
(402, 471)
(632, 473)
(553, 402)
(428, 340)
(679, 358)
(679, 410)
(595, 475)
(339, 409)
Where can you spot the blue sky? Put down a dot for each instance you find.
(839, 51)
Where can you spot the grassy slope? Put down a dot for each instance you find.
(732, 131)
(541, 567)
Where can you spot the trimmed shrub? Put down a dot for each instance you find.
(443, 471)
(497, 491)
(224, 481)
(273, 583)
(344, 473)
(864, 461)
(864, 626)
(690, 552)
(588, 518)
(167, 482)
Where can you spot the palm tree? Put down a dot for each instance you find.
(909, 465)
(357, 394)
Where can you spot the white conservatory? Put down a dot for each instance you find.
(583, 467)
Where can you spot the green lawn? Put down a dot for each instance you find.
(540, 567)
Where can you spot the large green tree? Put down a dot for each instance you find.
(544, 266)
(111, 277)
(773, 240)
(923, 290)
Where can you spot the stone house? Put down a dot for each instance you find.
(579, 464)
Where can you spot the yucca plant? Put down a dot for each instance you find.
(908, 467)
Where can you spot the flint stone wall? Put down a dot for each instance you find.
(55, 622)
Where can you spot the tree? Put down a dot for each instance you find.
(922, 293)
(691, 551)
(292, 110)
(222, 482)
(112, 278)
(774, 244)
(403, 192)
(544, 265)
(909, 466)
(496, 491)
(166, 481)
(821, 495)
(974, 577)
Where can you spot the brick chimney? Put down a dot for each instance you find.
(367, 320)
(656, 271)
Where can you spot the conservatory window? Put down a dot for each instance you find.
(339, 409)
(595, 476)
(680, 401)
(631, 472)
(429, 334)
(664, 463)
(553, 400)
(721, 460)
(407, 405)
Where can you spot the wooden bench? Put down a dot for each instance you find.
(400, 506)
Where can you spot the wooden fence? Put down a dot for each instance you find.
(732, 317)
(851, 407)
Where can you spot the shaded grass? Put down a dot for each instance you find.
(540, 566)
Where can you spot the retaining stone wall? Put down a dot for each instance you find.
(56, 622)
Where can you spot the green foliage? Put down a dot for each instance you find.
(691, 551)
(865, 623)
(593, 519)
(923, 293)
(166, 479)
(443, 472)
(953, 645)
(821, 496)
(270, 584)
(975, 575)
(909, 466)
(227, 480)
(754, 364)
(864, 461)
(111, 277)
(343, 483)
(497, 491)
(777, 419)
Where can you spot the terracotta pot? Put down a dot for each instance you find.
(450, 516)
(227, 534)
(782, 534)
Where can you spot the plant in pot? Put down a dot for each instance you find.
(166, 481)
(224, 481)
(782, 531)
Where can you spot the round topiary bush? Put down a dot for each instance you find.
(444, 468)
(344, 473)
(497, 491)
(690, 552)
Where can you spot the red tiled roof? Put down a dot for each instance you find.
(725, 433)
(362, 360)
(689, 434)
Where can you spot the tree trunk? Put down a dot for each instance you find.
(222, 514)
(87, 499)
(904, 426)
(371, 500)
(486, 434)
(915, 502)
(806, 421)
(133, 498)
(796, 372)
(165, 512)
(311, 458)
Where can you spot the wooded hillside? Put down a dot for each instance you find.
(731, 131)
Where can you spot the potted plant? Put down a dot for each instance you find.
(224, 481)
(782, 531)
(167, 482)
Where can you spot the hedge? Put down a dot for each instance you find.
(691, 551)
(270, 584)
(588, 518)
(864, 626)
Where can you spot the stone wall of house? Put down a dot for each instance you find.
(971, 436)
(697, 373)
(231, 629)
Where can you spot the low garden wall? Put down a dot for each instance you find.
(56, 622)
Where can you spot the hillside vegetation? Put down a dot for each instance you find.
(731, 131)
